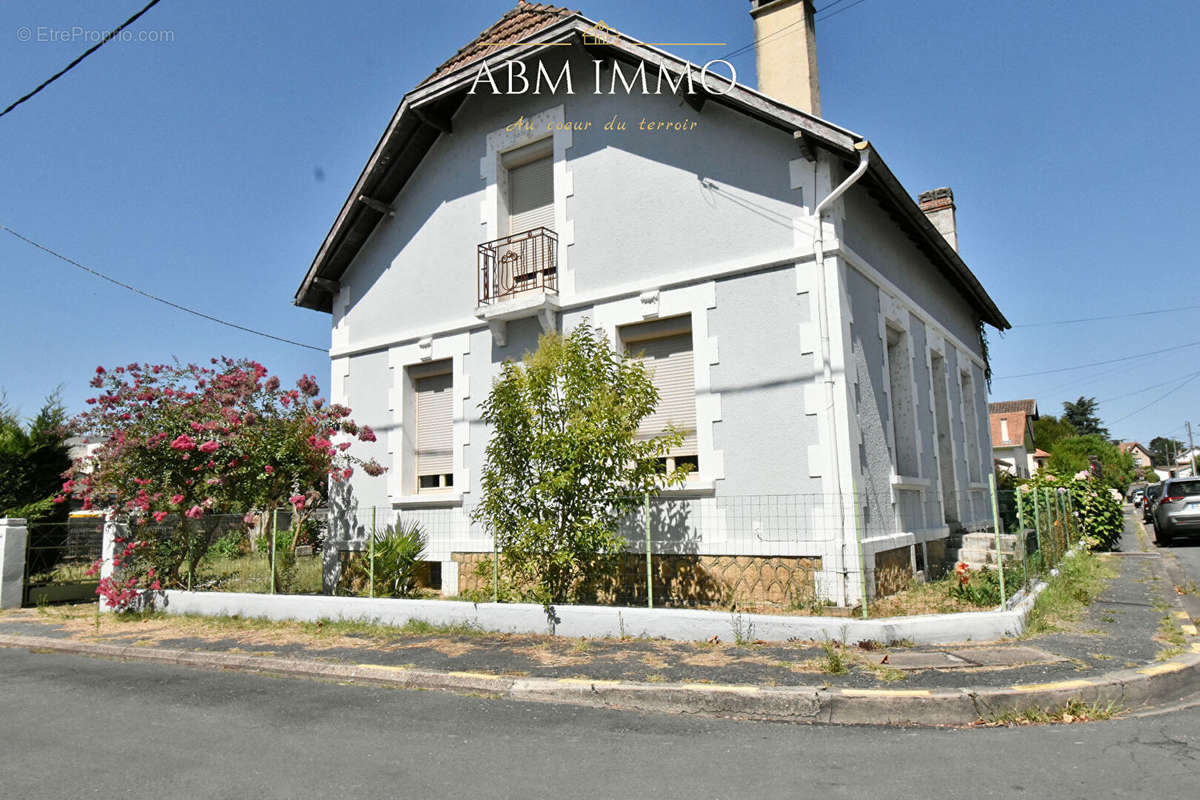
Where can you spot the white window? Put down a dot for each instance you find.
(1004, 429)
(665, 347)
(530, 186)
(433, 389)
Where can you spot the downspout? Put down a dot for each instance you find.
(864, 156)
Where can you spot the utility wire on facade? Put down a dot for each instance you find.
(107, 38)
(156, 298)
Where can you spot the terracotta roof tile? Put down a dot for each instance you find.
(518, 24)
(1028, 407)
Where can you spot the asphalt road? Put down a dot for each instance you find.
(75, 727)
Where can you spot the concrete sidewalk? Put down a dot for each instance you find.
(1135, 646)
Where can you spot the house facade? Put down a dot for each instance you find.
(1012, 436)
(1140, 455)
(809, 325)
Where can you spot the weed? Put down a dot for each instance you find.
(1073, 711)
(743, 630)
(656, 677)
(1169, 633)
(834, 661)
(1079, 581)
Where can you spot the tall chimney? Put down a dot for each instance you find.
(938, 205)
(785, 50)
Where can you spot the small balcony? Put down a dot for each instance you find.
(515, 265)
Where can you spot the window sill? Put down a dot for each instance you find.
(696, 487)
(978, 485)
(429, 500)
(910, 482)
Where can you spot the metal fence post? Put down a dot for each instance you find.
(274, 527)
(1021, 533)
(649, 556)
(371, 556)
(862, 562)
(996, 525)
(1037, 526)
(495, 568)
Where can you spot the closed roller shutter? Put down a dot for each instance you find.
(531, 196)
(669, 361)
(435, 453)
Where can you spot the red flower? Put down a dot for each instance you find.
(183, 442)
(366, 434)
(195, 512)
(159, 516)
(176, 499)
(297, 500)
(269, 469)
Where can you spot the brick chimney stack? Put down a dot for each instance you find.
(938, 205)
(785, 50)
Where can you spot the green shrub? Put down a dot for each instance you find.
(399, 550)
(982, 587)
(230, 545)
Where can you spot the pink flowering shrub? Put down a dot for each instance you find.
(180, 444)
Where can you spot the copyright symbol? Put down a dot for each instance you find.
(24, 34)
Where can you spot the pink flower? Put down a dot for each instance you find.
(156, 586)
(269, 469)
(159, 516)
(297, 500)
(366, 434)
(272, 384)
(344, 446)
(183, 442)
(347, 472)
(195, 512)
(176, 499)
(308, 385)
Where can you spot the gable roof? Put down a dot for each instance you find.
(427, 112)
(1028, 407)
(518, 24)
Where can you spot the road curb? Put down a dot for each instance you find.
(1149, 685)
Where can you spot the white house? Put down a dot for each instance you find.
(809, 324)
(1012, 436)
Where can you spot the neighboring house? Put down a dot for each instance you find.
(1141, 456)
(1012, 436)
(829, 376)
(1038, 459)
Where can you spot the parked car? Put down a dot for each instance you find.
(1152, 494)
(1136, 497)
(1177, 512)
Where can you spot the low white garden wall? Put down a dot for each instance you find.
(606, 621)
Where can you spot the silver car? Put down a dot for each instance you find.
(1177, 511)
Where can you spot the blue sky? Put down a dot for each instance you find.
(207, 168)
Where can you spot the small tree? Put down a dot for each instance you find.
(179, 444)
(1049, 429)
(1072, 455)
(33, 459)
(565, 462)
(1081, 415)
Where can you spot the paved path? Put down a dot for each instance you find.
(76, 727)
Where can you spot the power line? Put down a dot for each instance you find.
(1143, 389)
(1097, 363)
(1106, 317)
(840, 10)
(1158, 399)
(107, 37)
(156, 298)
(751, 45)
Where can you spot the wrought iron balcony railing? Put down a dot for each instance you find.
(523, 262)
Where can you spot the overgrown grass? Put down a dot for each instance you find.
(252, 573)
(1171, 637)
(1081, 578)
(835, 661)
(322, 627)
(1073, 711)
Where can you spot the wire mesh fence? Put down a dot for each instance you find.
(58, 559)
(807, 553)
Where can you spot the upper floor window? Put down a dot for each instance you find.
(1004, 429)
(530, 196)
(665, 347)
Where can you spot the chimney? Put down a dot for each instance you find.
(785, 50)
(938, 205)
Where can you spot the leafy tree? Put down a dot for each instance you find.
(1081, 415)
(565, 464)
(182, 443)
(32, 460)
(1048, 429)
(1164, 450)
(1072, 455)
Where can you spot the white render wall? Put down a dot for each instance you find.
(714, 224)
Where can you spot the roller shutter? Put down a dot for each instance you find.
(435, 454)
(531, 196)
(669, 361)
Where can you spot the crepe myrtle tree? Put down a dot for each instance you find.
(565, 463)
(181, 444)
